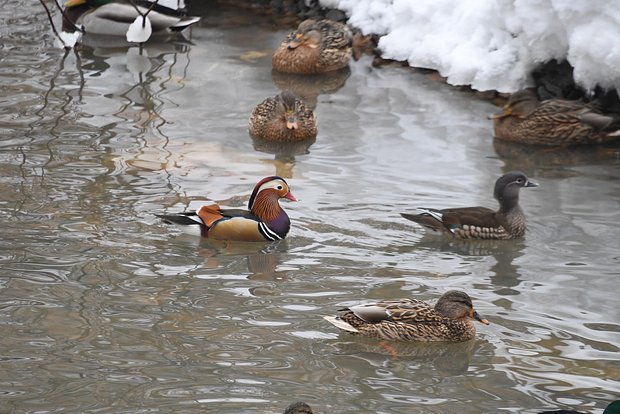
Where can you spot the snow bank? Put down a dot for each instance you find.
(494, 44)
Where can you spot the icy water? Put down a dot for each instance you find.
(106, 310)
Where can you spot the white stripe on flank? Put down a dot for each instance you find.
(270, 234)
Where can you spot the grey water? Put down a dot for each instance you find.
(104, 309)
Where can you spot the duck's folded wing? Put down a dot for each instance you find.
(570, 112)
(472, 216)
(206, 215)
(453, 218)
(403, 310)
(184, 219)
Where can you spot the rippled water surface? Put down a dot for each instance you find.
(105, 309)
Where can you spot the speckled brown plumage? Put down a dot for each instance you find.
(508, 222)
(316, 46)
(298, 407)
(451, 319)
(553, 122)
(612, 408)
(283, 118)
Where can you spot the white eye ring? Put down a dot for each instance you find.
(279, 187)
(519, 180)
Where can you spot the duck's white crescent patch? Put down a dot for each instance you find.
(140, 30)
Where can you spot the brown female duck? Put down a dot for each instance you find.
(283, 118)
(316, 46)
(298, 407)
(508, 222)
(612, 408)
(413, 320)
(552, 122)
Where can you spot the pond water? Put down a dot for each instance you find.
(105, 309)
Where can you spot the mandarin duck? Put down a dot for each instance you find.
(552, 122)
(316, 46)
(612, 408)
(298, 407)
(412, 320)
(113, 18)
(480, 222)
(264, 221)
(283, 118)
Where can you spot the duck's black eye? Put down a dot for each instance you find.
(279, 187)
(519, 180)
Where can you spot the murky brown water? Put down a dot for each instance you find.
(104, 309)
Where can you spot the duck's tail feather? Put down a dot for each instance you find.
(184, 219)
(340, 324)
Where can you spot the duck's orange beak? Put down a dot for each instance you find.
(73, 3)
(293, 44)
(291, 122)
(290, 196)
(480, 318)
(506, 111)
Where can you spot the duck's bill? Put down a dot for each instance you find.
(296, 42)
(480, 318)
(531, 184)
(290, 196)
(291, 123)
(502, 114)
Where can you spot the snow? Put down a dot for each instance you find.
(495, 44)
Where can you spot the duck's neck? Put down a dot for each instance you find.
(508, 201)
(267, 208)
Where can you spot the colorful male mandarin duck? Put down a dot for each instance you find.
(283, 118)
(413, 320)
(553, 122)
(109, 17)
(612, 408)
(298, 407)
(480, 222)
(265, 220)
(316, 46)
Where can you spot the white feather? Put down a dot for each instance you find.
(68, 40)
(140, 30)
(437, 215)
(340, 324)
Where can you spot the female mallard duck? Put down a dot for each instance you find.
(315, 47)
(552, 122)
(413, 320)
(612, 408)
(480, 222)
(298, 407)
(108, 17)
(264, 221)
(283, 118)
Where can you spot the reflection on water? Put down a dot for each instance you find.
(105, 309)
(309, 87)
(538, 160)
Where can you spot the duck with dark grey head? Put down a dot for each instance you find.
(508, 222)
